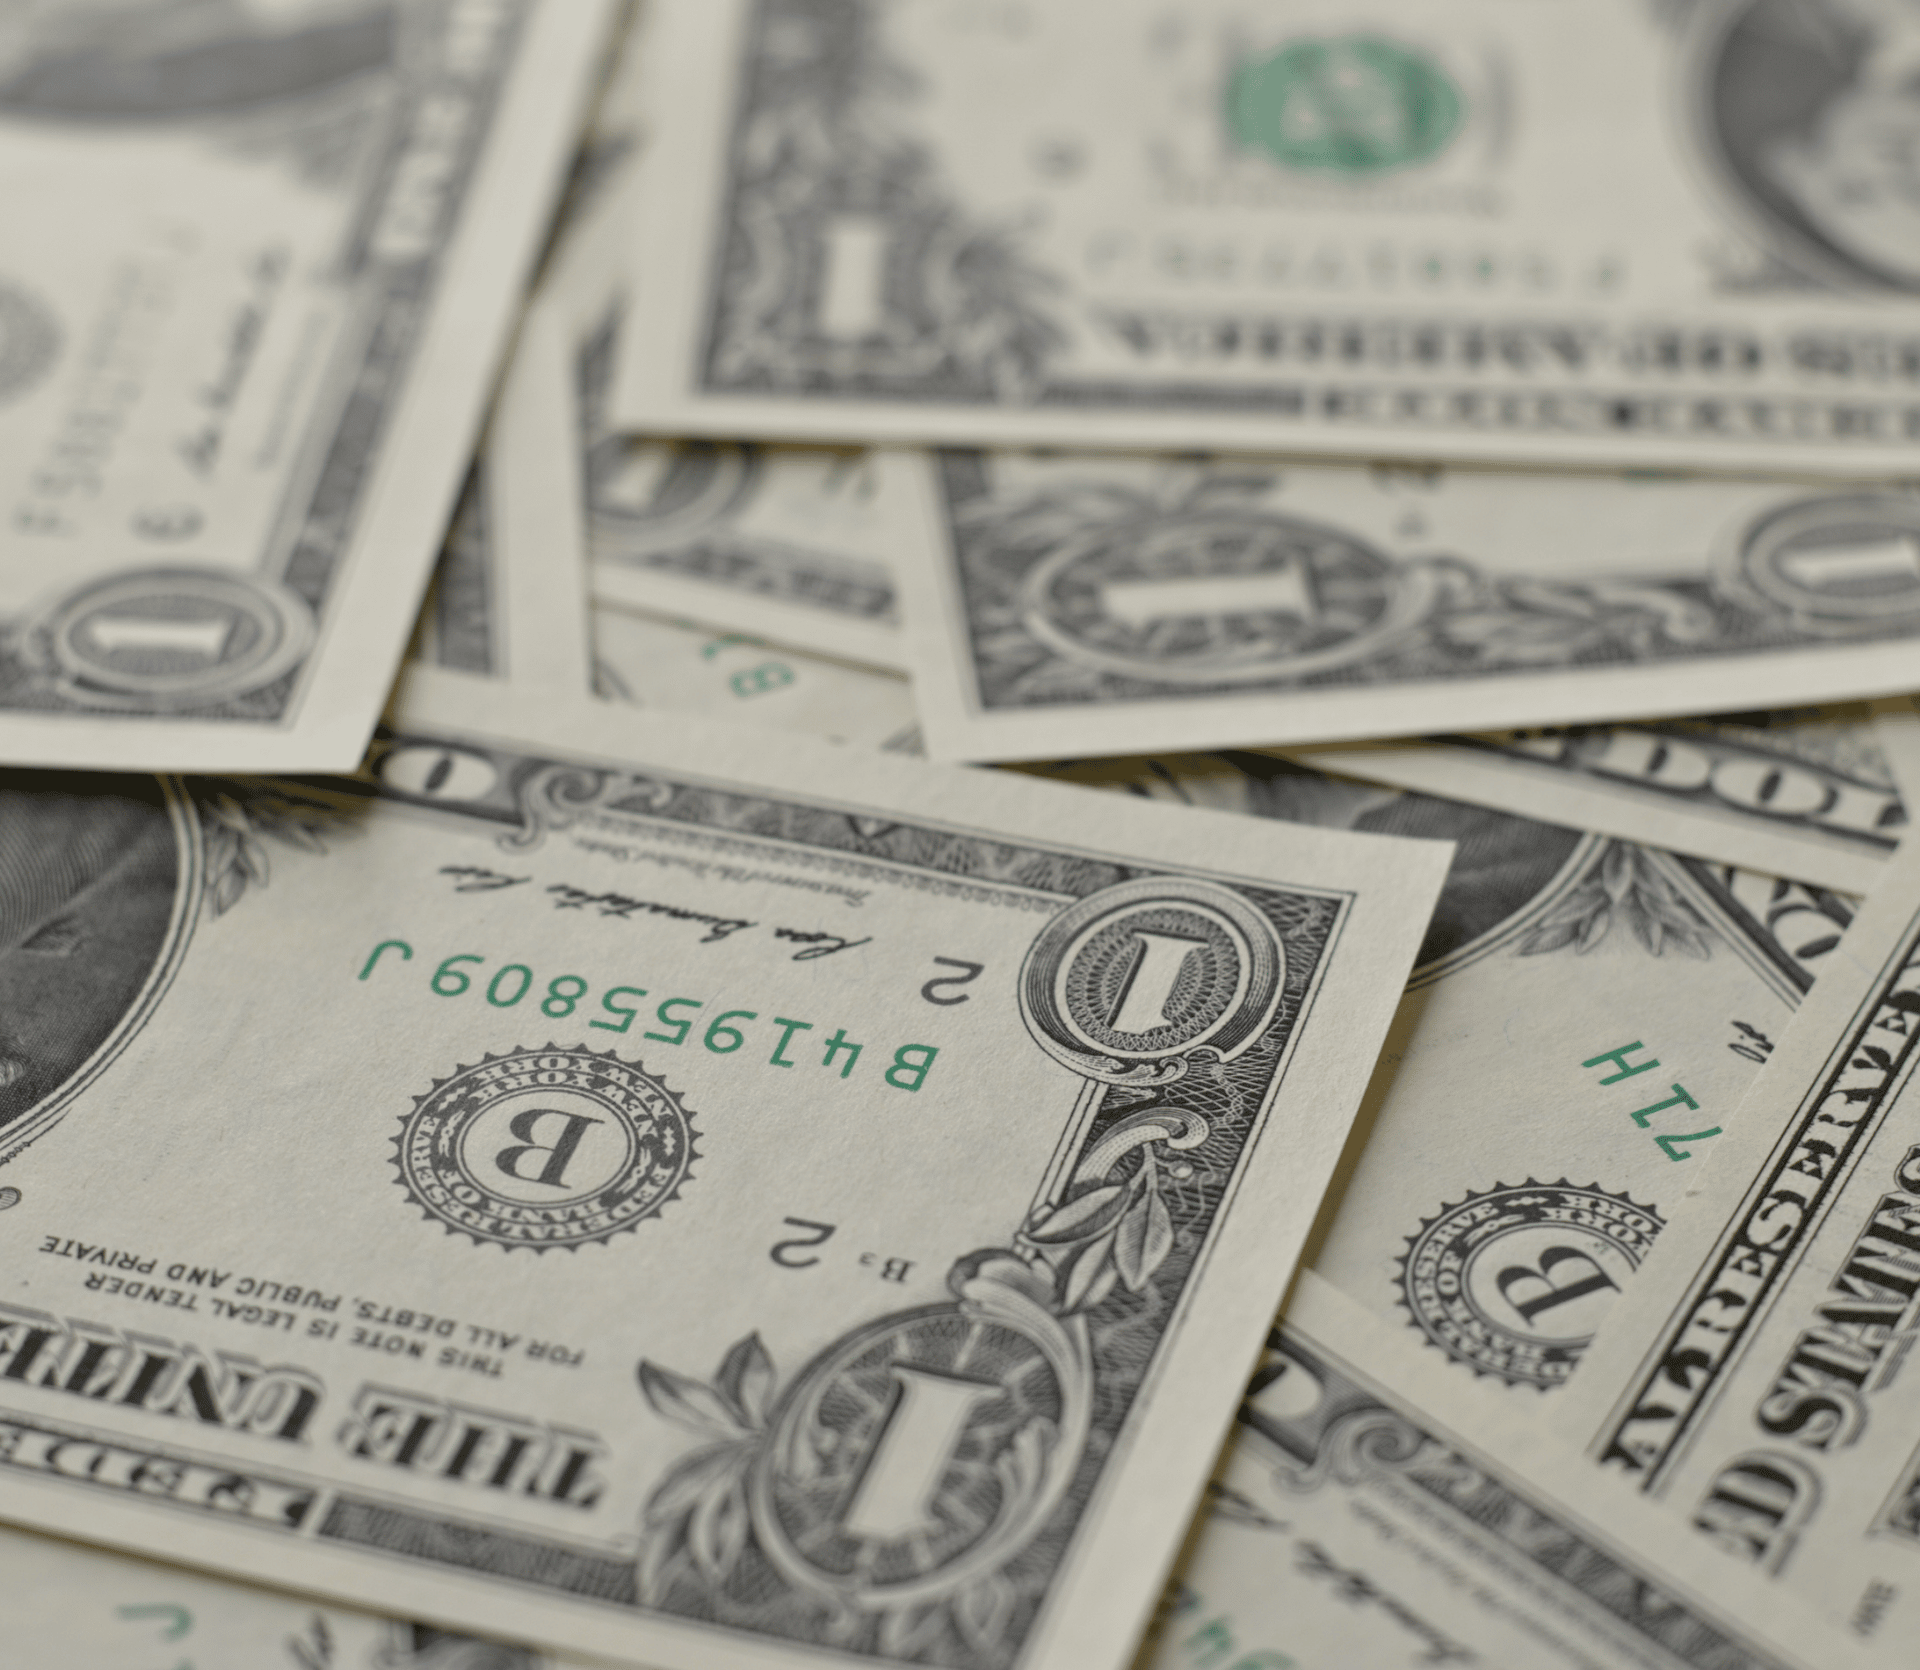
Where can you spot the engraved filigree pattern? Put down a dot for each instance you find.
(240, 818)
(1035, 566)
(1623, 886)
(966, 311)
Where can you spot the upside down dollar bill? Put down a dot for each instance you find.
(1607, 232)
(667, 1207)
(1367, 1515)
(1758, 1382)
(1075, 604)
(1503, 1184)
(257, 265)
(1813, 793)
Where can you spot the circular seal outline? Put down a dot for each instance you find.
(1408, 594)
(1258, 988)
(1018, 1521)
(1751, 561)
(1487, 1214)
(286, 625)
(703, 482)
(449, 1168)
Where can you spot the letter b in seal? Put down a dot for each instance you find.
(1132, 979)
(551, 1147)
(553, 1168)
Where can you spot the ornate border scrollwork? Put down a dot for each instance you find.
(1131, 983)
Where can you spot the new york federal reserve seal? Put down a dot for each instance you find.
(553, 1147)
(1513, 1282)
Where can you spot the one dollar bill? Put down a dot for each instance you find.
(631, 1195)
(1366, 1514)
(1612, 233)
(1757, 1382)
(1076, 603)
(1500, 1195)
(257, 268)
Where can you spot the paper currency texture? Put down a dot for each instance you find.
(1755, 1382)
(1366, 1515)
(1807, 792)
(258, 264)
(71, 1605)
(1599, 233)
(1066, 604)
(1505, 1181)
(681, 1194)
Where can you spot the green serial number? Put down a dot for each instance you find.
(510, 984)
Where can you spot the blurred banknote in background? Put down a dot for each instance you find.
(258, 263)
(1611, 233)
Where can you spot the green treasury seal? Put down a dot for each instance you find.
(1354, 104)
(1513, 1282)
(553, 1147)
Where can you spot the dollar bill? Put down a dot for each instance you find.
(258, 264)
(508, 599)
(790, 543)
(793, 543)
(1755, 1383)
(674, 1193)
(1812, 793)
(1502, 1186)
(1603, 234)
(71, 1605)
(1367, 1514)
(1074, 604)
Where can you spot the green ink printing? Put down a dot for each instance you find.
(1349, 104)
(512, 982)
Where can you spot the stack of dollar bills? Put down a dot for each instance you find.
(994, 834)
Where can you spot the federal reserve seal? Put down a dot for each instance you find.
(1514, 1282)
(552, 1147)
(1349, 104)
